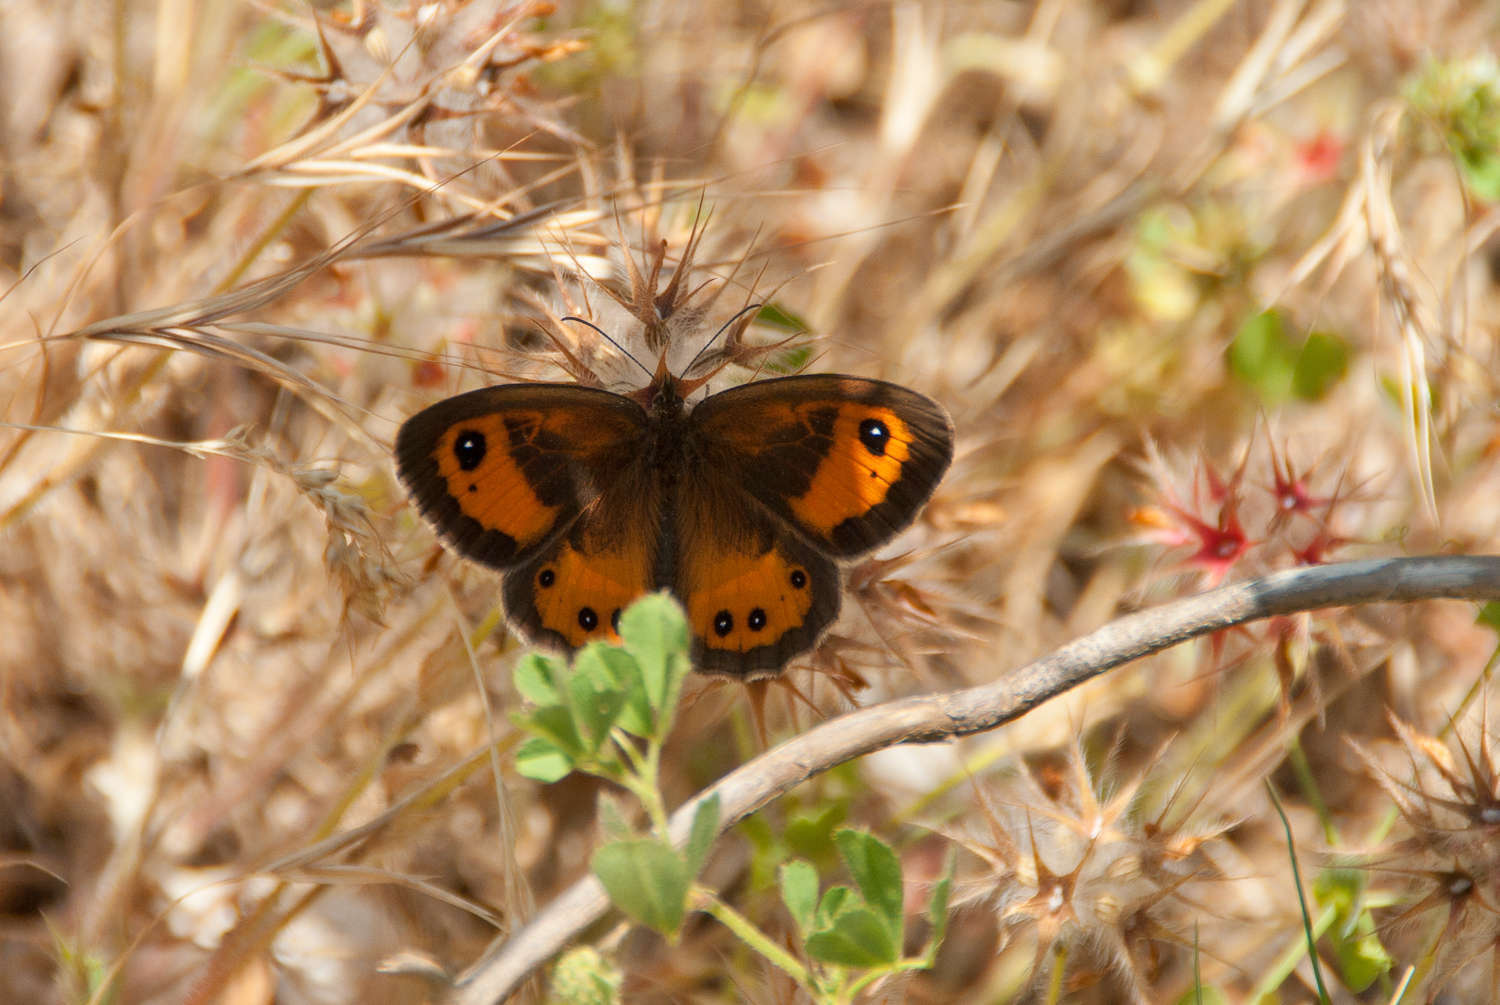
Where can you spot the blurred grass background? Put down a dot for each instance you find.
(1208, 287)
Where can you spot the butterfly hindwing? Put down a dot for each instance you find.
(499, 471)
(847, 461)
(756, 594)
(574, 588)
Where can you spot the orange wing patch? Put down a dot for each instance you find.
(499, 470)
(741, 601)
(474, 458)
(574, 590)
(580, 596)
(755, 593)
(847, 462)
(870, 447)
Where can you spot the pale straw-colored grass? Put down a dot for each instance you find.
(247, 698)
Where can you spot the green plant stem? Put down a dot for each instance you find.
(656, 806)
(753, 937)
(1307, 925)
(1309, 784)
(1287, 961)
(626, 745)
(642, 778)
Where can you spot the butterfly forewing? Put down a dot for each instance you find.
(501, 470)
(846, 461)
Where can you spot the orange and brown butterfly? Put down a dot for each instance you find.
(742, 504)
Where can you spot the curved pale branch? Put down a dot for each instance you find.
(934, 717)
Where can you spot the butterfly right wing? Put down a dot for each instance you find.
(500, 472)
(847, 461)
(756, 593)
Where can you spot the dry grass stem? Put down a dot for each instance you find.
(1209, 288)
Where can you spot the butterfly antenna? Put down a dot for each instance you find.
(739, 314)
(605, 335)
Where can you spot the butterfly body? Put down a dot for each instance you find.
(741, 505)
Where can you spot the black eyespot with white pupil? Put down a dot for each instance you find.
(724, 621)
(588, 619)
(875, 435)
(469, 449)
(546, 578)
(799, 579)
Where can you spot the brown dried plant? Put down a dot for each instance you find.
(254, 731)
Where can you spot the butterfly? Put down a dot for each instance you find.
(742, 505)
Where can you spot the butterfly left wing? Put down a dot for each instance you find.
(575, 587)
(846, 461)
(501, 471)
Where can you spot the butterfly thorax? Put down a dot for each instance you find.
(666, 405)
(666, 440)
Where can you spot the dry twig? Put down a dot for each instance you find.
(936, 717)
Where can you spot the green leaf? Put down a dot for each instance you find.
(646, 879)
(766, 851)
(611, 665)
(536, 679)
(1489, 615)
(778, 316)
(555, 723)
(811, 836)
(937, 907)
(789, 360)
(654, 629)
(1362, 959)
(636, 718)
(614, 819)
(799, 891)
(1264, 357)
(1342, 888)
(594, 696)
(1322, 363)
(540, 759)
(701, 837)
(1462, 98)
(1481, 168)
(876, 872)
(836, 899)
(858, 937)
